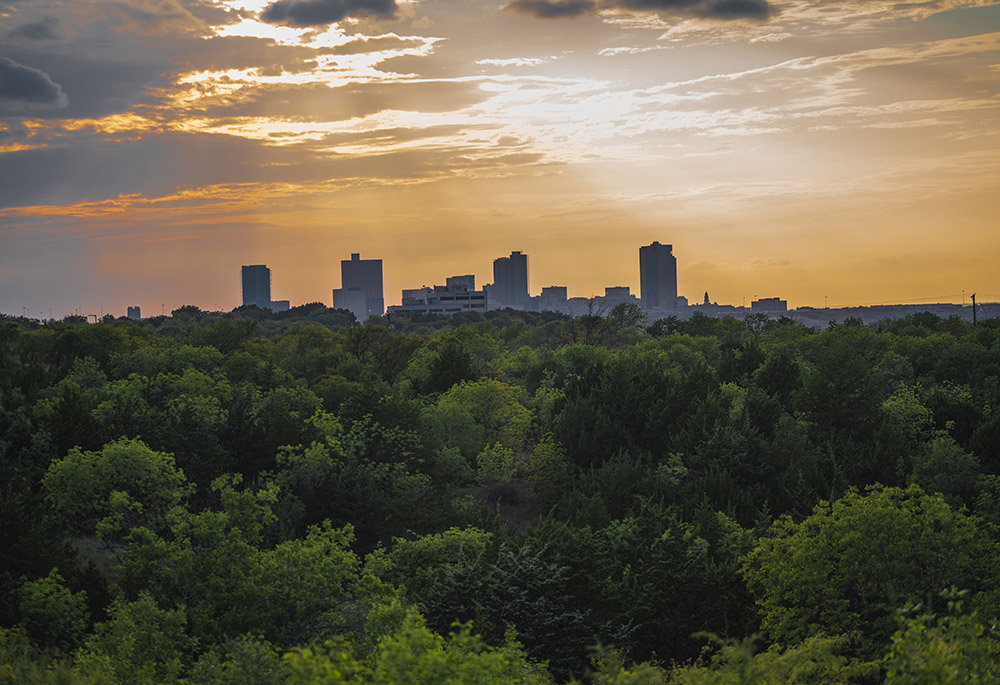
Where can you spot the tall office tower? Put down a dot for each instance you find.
(510, 281)
(257, 286)
(657, 277)
(365, 274)
(353, 300)
(134, 312)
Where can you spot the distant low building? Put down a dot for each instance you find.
(459, 294)
(468, 281)
(614, 296)
(280, 305)
(552, 299)
(769, 304)
(133, 313)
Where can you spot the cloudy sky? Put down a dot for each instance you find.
(808, 149)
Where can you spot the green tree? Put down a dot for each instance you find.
(951, 649)
(51, 613)
(218, 565)
(418, 565)
(80, 485)
(139, 643)
(840, 393)
(510, 587)
(548, 469)
(413, 654)
(668, 325)
(451, 364)
(238, 661)
(496, 407)
(942, 466)
(325, 482)
(818, 659)
(625, 321)
(852, 563)
(496, 463)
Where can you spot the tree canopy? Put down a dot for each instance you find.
(506, 496)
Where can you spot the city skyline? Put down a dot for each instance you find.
(368, 270)
(833, 151)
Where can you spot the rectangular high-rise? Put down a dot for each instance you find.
(256, 283)
(510, 281)
(364, 275)
(657, 276)
(353, 300)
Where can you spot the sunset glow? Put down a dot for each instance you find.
(847, 150)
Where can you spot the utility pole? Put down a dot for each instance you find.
(973, 310)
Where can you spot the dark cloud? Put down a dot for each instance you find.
(155, 17)
(44, 29)
(710, 9)
(102, 87)
(22, 87)
(549, 9)
(738, 9)
(658, 5)
(322, 12)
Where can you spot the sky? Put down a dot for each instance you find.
(823, 151)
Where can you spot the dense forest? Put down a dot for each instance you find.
(249, 497)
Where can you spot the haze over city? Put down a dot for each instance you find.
(843, 152)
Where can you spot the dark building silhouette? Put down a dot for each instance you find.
(657, 277)
(360, 287)
(468, 281)
(510, 282)
(457, 295)
(769, 304)
(133, 312)
(552, 299)
(614, 295)
(257, 285)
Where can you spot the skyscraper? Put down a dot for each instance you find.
(360, 279)
(510, 281)
(257, 285)
(657, 276)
